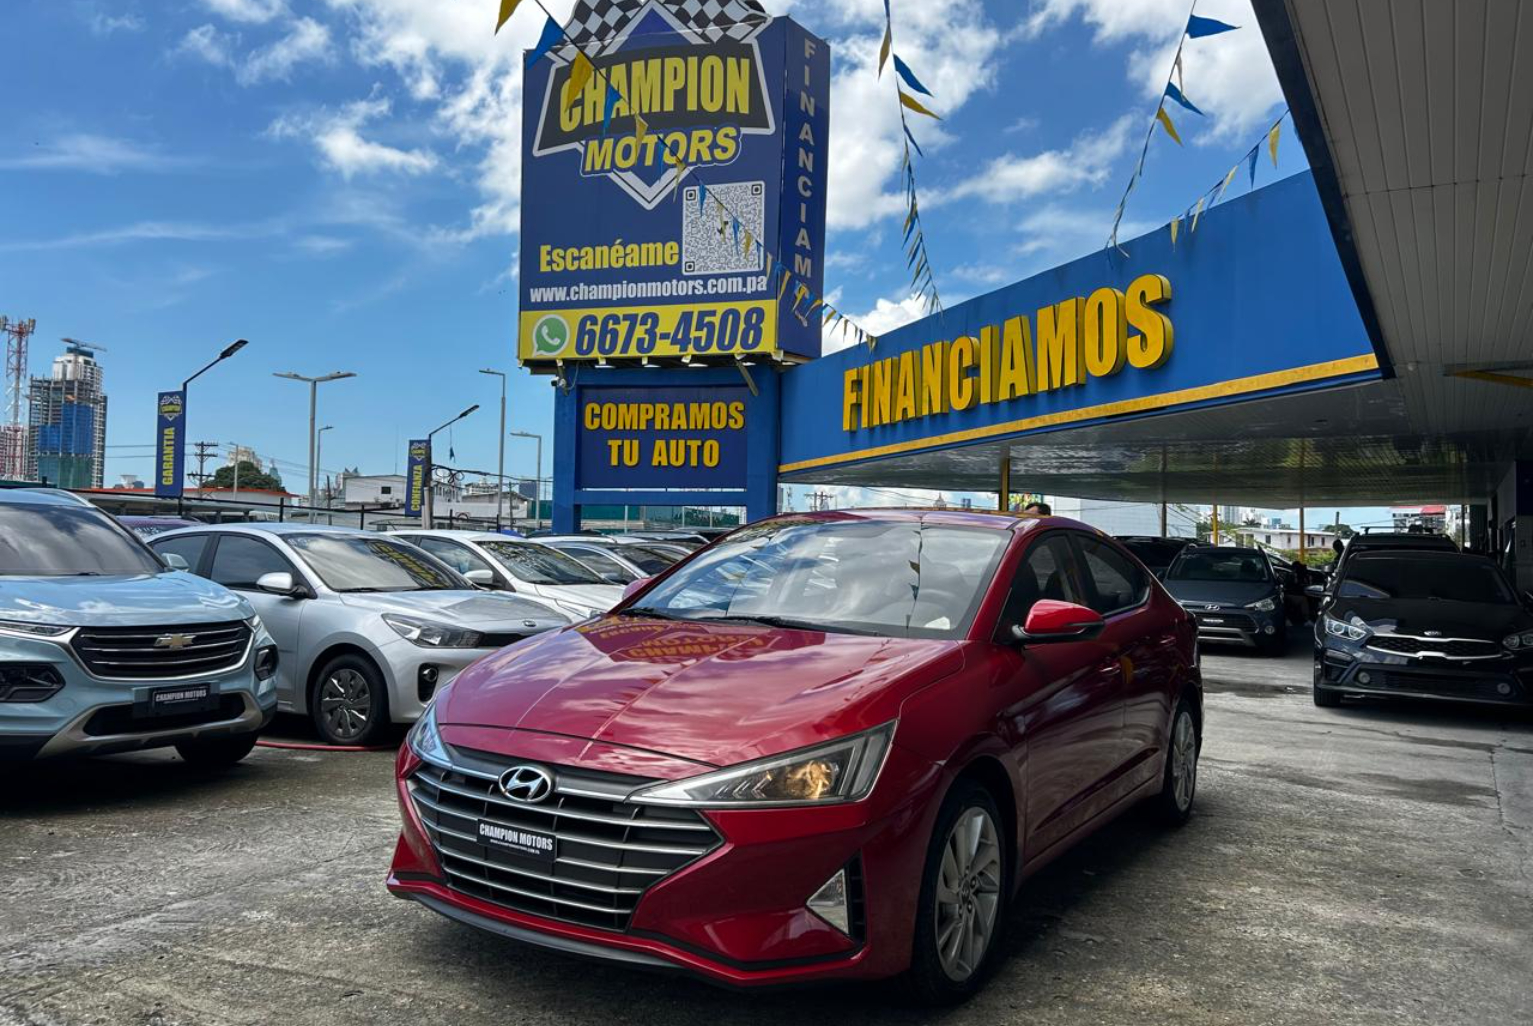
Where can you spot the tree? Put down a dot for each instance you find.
(251, 476)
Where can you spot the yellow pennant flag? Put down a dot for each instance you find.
(883, 51)
(915, 105)
(783, 288)
(1227, 180)
(1165, 122)
(580, 74)
(1197, 212)
(1272, 141)
(911, 216)
(813, 307)
(1176, 222)
(640, 129)
(745, 247)
(507, 8)
(830, 314)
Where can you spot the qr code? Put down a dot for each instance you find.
(710, 243)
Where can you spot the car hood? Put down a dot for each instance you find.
(133, 600)
(483, 610)
(600, 597)
(710, 693)
(1480, 620)
(1226, 593)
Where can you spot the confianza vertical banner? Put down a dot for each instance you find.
(417, 467)
(170, 442)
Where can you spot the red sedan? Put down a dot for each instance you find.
(827, 745)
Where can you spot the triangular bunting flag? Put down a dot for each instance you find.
(580, 74)
(745, 250)
(702, 197)
(1179, 69)
(1251, 159)
(1176, 94)
(1176, 222)
(783, 288)
(1272, 141)
(1198, 27)
(912, 142)
(909, 76)
(507, 8)
(883, 51)
(1165, 122)
(1197, 212)
(1227, 180)
(915, 105)
(552, 33)
(613, 96)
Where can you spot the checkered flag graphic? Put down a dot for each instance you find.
(598, 22)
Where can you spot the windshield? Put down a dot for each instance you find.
(904, 579)
(347, 562)
(539, 564)
(1451, 580)
(1154, 553)
(1245, 565)
(37, 540)
(651, 561)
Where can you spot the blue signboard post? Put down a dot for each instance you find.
(417, 467)
(170, 439)
(666, 195)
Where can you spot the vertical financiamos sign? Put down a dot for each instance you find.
(654, 195)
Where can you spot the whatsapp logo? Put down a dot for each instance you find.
(550, 335)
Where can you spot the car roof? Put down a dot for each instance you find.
(1245, 550)
(1403, 540)
(279, 529)
(1416, 556)
(460, 533)
(40, 497)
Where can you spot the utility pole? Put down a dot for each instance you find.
(204, 451)
(13, 434)
(314, 384)
(537, 485)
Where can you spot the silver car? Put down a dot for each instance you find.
(367, 626)
(522, 566)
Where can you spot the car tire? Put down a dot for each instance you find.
(1179, 780)
(349, 702)
(943, 972)
(216, 752)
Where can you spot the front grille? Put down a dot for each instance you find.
(162, 653)
(1453, 685)
(1453, 648)
(608, 851)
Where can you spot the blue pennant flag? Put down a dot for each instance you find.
(552, 33)
(909, 76)
(1174, 93)
(1198, 27)
(613, 96)
(702, 196)
(736, 225)
(1251, 159)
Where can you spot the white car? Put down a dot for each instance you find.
(524, 567)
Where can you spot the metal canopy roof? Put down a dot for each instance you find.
(1418, 123)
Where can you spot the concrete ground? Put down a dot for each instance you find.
(1361, 865)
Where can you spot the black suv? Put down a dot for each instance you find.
(1155, 552)
(1427, 624)
(1233, 593)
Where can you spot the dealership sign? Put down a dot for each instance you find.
(662, 195)
(417, 468)
(170, 437)
(682, 437)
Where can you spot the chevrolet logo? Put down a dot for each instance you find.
(174, 642)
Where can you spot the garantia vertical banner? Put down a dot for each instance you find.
(170, 441)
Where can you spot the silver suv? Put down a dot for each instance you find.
(367, 626)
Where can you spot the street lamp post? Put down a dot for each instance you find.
(319, 448)
(227, 351)
(537, 484)
(426, 513)
(500, 494)
(314, 384)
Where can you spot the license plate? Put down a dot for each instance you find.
(179, 699)
(533, 844)
(1212, 619)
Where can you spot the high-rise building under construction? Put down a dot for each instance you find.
(66, 431)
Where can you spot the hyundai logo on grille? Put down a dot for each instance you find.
(1212, 607)
(175, 642)
(526, 784)
(1433, 634)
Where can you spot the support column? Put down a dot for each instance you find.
(1003, 495)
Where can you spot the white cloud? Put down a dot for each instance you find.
(338, 138)
(97, 154)
(1009, 178)
(886, 315)
(208, 44)
(322, 245)
(102, 23)
(306, 41)
(251, 12)
(146, 231)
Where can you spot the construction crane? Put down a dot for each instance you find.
(13, 433)
(84, 348)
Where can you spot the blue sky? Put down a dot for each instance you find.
(337, 181)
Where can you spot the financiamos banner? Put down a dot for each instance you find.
(1077, 338)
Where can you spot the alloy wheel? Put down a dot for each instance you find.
(345, 704)
(1184, 761)
(968, 894)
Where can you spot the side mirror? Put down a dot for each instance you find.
(175, 561)
(281, 584)
(634, 587)
(1052, 620)
(481, 578)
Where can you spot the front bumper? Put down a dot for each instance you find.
(736, 915)
(1355, 670)
(417, 672)
(89, 715)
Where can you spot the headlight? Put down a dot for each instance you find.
(1350, 631)
(1518, 641)
(841, 771)
(33, 630)
(256, 626)
(424, 739)
(428, 634)
(1265, 605)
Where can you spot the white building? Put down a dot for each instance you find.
(370, 491)
(1288, 537)
(1122, 517)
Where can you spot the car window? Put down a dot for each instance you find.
(189, 548)
(42, 540)
(455, 554)
(540, 564)
(357, 563)
(240, 561)
(651, 561)
(1045, 573)
(1154, 553)
(1113, 582)
(1245, 565)
(601, 563)
(1415, 578)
